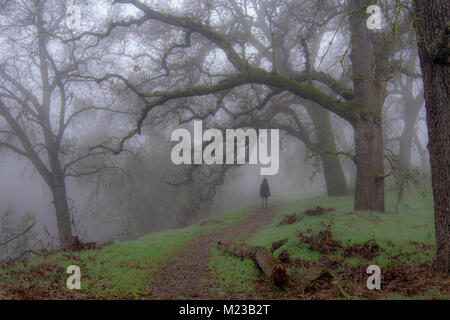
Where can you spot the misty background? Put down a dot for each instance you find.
(140, 191)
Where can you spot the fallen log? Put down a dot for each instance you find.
(262, 258)
(309, 279)
(277, 244)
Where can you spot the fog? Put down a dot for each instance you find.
(23, 188)
(87, 108)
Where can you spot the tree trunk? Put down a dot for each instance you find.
(424, 158)
(406, 142)
(332, 169)
(61, 210)
(369, 189)
(369, 59)
(433, 30)
(411, 109)
(405, 147)
(334, 176)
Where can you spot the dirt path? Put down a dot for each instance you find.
(187, 276)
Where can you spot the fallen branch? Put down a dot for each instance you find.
(277, 244)
(262, 258)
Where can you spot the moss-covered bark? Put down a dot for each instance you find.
(326, 148)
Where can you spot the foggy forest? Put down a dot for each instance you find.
(224, 149)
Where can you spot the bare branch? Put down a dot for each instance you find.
(18, 235)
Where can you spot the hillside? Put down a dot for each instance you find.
(324, 233)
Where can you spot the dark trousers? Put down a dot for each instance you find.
(264, 202)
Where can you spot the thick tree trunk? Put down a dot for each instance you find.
(369, 189)
(433, 29)
(61, 210)
(370, 73)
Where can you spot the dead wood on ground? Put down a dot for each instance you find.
(261, 256)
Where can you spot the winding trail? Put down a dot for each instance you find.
(186, 275)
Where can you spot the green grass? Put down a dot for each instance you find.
(119, 270)
(392, 231)
(124, 269)
(235, 276)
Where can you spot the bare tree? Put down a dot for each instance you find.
(36, 100)
(360, 102)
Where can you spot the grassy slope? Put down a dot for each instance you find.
(119, 270)
(123, 269)
(393, 231)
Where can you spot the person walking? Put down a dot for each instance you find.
(264, 192)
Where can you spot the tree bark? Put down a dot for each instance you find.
(370, 71)
(369, 191)
(332, 169)
(334, 176)
(61, 210)
(433, 29)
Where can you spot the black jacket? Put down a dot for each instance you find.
(264, 190)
